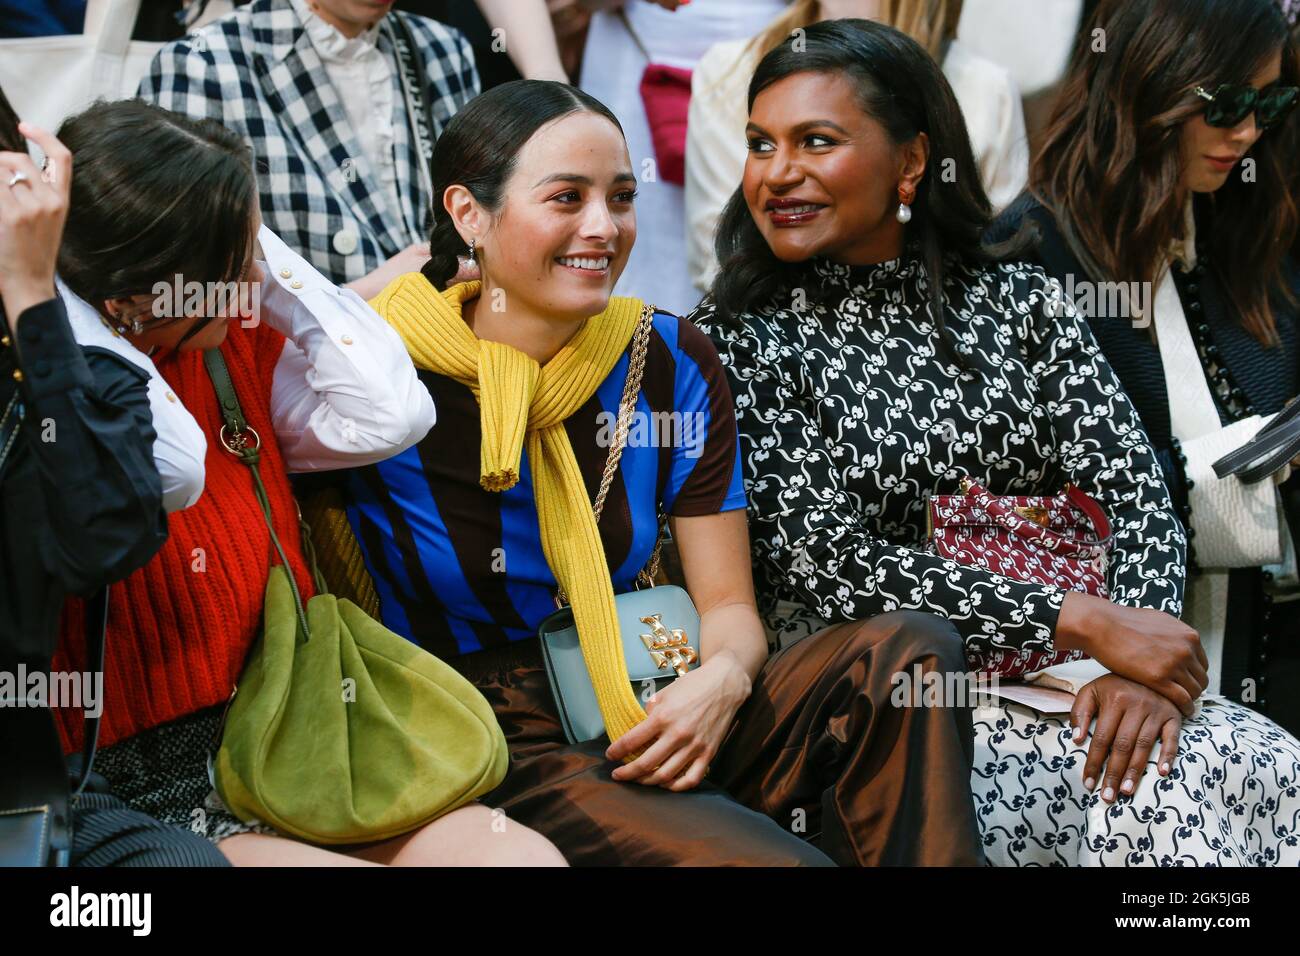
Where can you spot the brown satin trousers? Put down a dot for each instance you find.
(819, 768)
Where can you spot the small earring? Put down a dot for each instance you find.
(904, 213)
(121, 328)
(473, 245)
(136, 326)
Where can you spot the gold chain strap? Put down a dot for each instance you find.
(626, 406)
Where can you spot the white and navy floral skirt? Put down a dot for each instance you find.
(163, 772)
(1232, 798)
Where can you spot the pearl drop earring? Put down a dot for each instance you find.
(906, 194)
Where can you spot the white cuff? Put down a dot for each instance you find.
(345, 392)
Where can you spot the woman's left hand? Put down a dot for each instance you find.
(1131, 720)
(687, 723)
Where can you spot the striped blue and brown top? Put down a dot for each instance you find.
(459, 569)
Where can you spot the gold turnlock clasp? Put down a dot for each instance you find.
(668, 648)
(1033, 513)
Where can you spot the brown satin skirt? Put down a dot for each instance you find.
(818, 769)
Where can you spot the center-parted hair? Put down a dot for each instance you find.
(900, 86)
(479, 150)
(1111, 165)
(154, 194)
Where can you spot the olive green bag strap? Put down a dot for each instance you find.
(245, 443)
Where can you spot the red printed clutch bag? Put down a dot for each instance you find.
(1062, 540)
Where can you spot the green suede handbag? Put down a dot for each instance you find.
(339, 730)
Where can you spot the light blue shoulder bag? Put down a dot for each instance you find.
(659, 626)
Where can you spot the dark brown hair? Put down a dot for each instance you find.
(11, 141)
(1111, 166)
(155, 194)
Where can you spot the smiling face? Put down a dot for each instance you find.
(566, 225)
(822, 176)
(1210, 153)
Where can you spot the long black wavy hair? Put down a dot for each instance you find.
(902, 88)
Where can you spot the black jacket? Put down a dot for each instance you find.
(82, 500)
(80, 506)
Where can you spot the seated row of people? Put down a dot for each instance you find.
(878, 350)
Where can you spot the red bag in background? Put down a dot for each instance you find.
(666, 93)
(1062, 540)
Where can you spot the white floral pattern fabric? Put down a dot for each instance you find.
(850, 416)
(1232, 798)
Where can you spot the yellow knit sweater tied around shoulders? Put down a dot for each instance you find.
(523, 404)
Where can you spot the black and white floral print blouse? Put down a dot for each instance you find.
(850, 416)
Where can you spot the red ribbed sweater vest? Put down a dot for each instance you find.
(180, 628)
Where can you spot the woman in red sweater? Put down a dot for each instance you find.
(160, 202)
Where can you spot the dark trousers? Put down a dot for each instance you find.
(819, 767)
(106, 832)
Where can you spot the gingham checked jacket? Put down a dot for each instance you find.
(256, 72)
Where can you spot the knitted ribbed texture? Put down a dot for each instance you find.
(180, 627)
(507, 378)
(517, 397)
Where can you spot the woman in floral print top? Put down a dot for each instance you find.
(854, 403)
(850, 418)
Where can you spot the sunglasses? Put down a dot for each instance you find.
(1230, 104)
